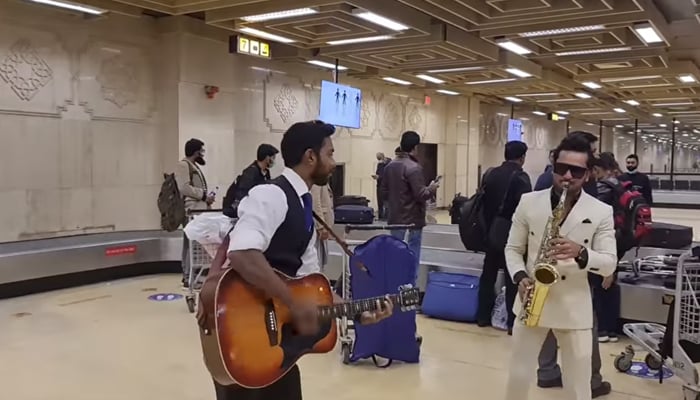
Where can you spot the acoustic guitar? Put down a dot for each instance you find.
(249, 339)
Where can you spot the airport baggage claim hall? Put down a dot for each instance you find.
(98, 99)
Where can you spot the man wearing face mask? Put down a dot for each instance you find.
(639, 180)
(193, 188)
(257, 173)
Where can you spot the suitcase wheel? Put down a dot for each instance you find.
(345, 351)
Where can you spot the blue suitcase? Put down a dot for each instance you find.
(453, 297)
(390, 264)
(354, 214)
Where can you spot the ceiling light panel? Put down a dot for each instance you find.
(518, 72)
(619, 110)
(513, 99)
(449, 70)
(657, 115)
(448, 92)
(381, 21)
(687, 78)
(648, 33)
(562, 112)
(591, 85)
(539, 113)
(328, 65)
(563, 31)
(592, 51)
(71, 6)
(265, 35)
(397, 81)
(632, 102)
(429, 78)
(298, 12)
(583, 95)
(491, 81)
(360, 40)
(513, 47)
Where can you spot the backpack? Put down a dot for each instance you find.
(171, 204)
(456, 207)
(632, 215)
(230, 203)
(472, 226)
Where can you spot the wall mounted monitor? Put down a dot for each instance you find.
(515, 129)
(340, 105)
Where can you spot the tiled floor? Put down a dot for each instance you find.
(109, 342)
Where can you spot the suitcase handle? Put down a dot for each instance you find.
(377, 227)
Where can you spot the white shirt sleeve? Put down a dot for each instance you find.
(260, 214)
(309, 260)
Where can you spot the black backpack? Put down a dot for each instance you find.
(230, 202)
(171, 204)
(456, 208)
(472, 225)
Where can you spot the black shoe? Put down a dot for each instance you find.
(602, 390)
(510, 331)
(483, 324)
(554, 383)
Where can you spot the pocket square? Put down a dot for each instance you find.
(587, 221)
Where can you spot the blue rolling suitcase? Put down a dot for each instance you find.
(453, 297)
(390, 264)
(354, 214)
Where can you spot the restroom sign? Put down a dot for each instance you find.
(253, 47)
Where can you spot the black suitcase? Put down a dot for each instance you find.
(351, 201)
(353, 214)
(668, 236)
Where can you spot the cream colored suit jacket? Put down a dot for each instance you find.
(590, 224)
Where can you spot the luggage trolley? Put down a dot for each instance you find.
(684, 327)
(199, 258)
(345, 326)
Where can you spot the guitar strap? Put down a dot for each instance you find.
(343, 245)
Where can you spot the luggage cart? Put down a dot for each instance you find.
(345, 326)
(685, 327)
(199, 258)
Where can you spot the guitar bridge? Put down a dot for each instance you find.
(271, 323)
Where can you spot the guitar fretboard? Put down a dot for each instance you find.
(351, 309)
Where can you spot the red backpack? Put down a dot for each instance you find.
(633, 216)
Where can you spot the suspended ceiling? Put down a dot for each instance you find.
(586, 58)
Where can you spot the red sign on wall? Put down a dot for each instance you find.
(118, 251)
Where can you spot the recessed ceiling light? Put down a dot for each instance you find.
(491, 81)
(397, 81)
(359, 40)
(448, 92)
(539, 113)
(648, 34)
(657, 115)
(591, 85)
(582, 95)
(71, 6)
(513, 47)
(448, 70)
(592, 51)
(513, 99)
(563, 31)
(684, 103)
(265, 35)
(629, 78)
(429, 78)
(662, 125)
(518, 72)
(619, 126)
(632, 102)
(380, 20)
(687, 78)
(619, 110)
(326, 65)
(562, 112)
(298, 12)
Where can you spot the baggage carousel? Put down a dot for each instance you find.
(45, 264)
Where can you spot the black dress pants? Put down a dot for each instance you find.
(287, 388)
(494, 261)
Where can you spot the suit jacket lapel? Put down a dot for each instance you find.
(576, 215)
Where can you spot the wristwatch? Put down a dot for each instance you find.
(582, 258)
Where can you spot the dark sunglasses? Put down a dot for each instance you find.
(576, 171)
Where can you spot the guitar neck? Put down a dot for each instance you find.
(351, 309)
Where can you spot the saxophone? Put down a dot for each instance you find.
(545, 272)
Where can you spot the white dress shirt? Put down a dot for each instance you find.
(262, 212)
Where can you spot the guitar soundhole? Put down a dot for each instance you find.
(271, 322)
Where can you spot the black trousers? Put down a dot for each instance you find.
(494, 261)
(287, 388)
(381, 212)
(606, 304)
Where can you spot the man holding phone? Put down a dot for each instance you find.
(406, 193)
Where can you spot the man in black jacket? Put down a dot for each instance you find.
(255, 174)
(503, 186)
(639, 180)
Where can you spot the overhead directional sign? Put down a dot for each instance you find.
(253, 47)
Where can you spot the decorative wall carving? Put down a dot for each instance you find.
(119, 81)
(286, 103)
(24, 70)
(391, 115)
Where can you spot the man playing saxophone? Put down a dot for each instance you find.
(549, 253)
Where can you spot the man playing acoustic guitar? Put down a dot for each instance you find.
(275, 231)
